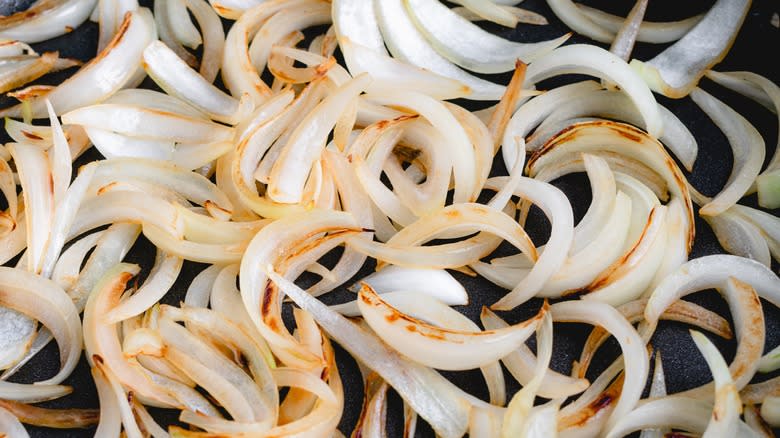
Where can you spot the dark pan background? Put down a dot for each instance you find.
(756, 49)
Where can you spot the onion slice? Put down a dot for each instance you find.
(484, 53)
(441, 348)
(676, 71)
(728, 406)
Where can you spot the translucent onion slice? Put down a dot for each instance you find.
(467, 45)
(770, 411)
(728, 407)
(739, 236)
(161, 278)
(439, 347)
(97, 79)
(556, 207)
(616, 105)
(522, 362)
(747, 145)
(51, 418)
(406, 43)
(390, 73)
(595, 61)
(634, 354)
(530, 114)
(676, 71)
(624, 41)
(25, 292)
(45, 20)
(649, 31)
(758, 88)
(712, 272)
(621, 139)
(29, 393)
(671, 412)
(355, 21)
(305, 145)
(34, 172)
(437, 400)
(213, 37)
(10, 426)
(101, 339)
(262, 301)
(148, 123)
(177, 79)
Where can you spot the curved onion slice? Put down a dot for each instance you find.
(556, 207)
(391, 73)
(739, 236)
(676, 71)
(467, 45)
(711, 272)
(109, 71)
(274, 244)
(27, 393)
(437, 400)
(45, 301)
(407, 44)
(17, 333)
(101, 339)
(728, 407)
(522, 362)
(438, 283)
(747, 145)
(10, 426)
(649, 31)
(438, 347)
(45, 20)
(592, 60)
(175, 77)
(634, 354)
(355, 21)
(673, 412)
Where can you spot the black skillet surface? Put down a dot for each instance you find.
(755, 50)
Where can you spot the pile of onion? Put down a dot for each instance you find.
(293, 175)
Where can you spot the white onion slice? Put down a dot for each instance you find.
(45, 301)
(440, 348)
(31, 393)
(649, 31)
(739, 236)
(522, 362)
(355, 20)
(175, 77)
(391, 73)
(673, 412)
(728, 407)
(634, 354)
(35, 174)
(467, 45)
(105, 74)
(746, 143)
(437, 400)
(438, 283)
(45, 20)
(676, 71)
(557, 208)
(407, 44)
(10, 426)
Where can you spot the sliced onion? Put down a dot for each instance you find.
(484, 53)
(406, 43)
(355, 21)
(25, 293)
(439, 347)
(51, 418)
(45, 20)
(179, 80)
(10, 426)
(649, 31)
(436, 399)
(634, 354)
(728, 407)
(98, 79)
(739, 236)
(29, 393)
(746, 143)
